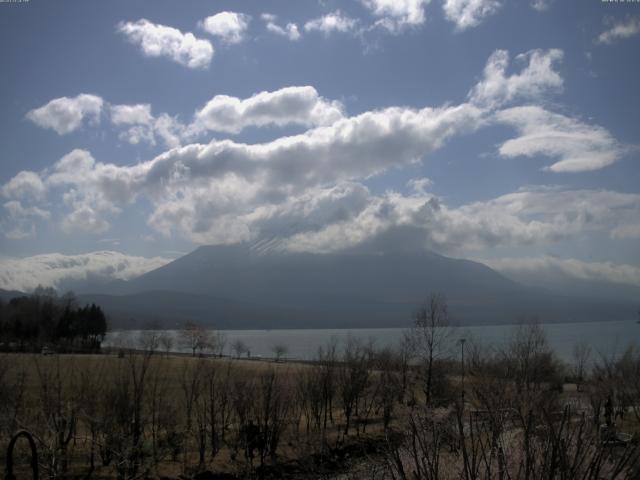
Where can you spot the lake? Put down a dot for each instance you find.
(605, 338)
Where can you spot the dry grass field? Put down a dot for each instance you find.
(357, 413)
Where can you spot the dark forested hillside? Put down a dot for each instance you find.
(28, 322)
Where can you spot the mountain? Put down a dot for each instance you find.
(239, 287)
(169, 309)
(6, 295)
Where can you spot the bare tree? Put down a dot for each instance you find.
(166, 342)
(581, 357)
(149, 340)
(196, 338)
(239, 348)
(272, 406)
(353, 378)
(530, 358)
(219, 343)
(59, 408)
(430, 338)
(279, 350)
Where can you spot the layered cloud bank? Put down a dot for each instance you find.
(308, 191)
(56, 270)
(547, 270)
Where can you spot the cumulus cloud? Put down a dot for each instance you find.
(16, 210)
(64, 115)
(577, 146)
(469, 13)
(131, 114)
(23, 190)
(307, 191)
(22, 220)
(330, 23)
(551, 270)
(55, 269)
(535, 216)
(157, 40)
(227, 183)
(290, 105)
(24, 185)
(619, 30)
(290, 30)
(89, 192)
(140, 126)
(396, 15)
(223, 113)
(197, 188)
(230, 27)
(536, 78)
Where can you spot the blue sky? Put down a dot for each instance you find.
(504, 131)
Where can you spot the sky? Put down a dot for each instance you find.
(502, 131)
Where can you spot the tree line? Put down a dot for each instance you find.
(44, 319)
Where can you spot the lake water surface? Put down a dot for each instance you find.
(605, 338)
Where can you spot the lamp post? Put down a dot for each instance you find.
(462, 340)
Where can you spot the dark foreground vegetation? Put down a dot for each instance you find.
(432, 408)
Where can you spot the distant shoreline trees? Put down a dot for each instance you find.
(29, 323)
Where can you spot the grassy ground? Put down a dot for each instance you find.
(298, 454)
(81, 372)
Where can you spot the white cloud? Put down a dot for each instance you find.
(577, 146)
(212, 193)
(286, 106)
(89, 191)
(131, 114)
(290, 105)
(396, 15)
(55, 269)
(628, 231)
(24, 185)
(86, 219)
(20, 220)
(162, 41)
(217, 190)
(419, 185)
(306, 191)
(542, 215)
(170, 130)
(290, 30)
(64, 115)
(142, 127)
(20, 232)
(469, 13)
(138, 122)
(421, 220)
(550, 270)
(619, 30)
(541, 5)
(17, 210)
(230, 27)
(536, 78)
(331, 22)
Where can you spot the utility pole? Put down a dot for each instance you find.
(462, 340)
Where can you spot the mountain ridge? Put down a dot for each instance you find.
(355, 289)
